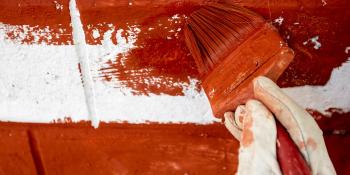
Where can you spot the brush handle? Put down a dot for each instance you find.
(289, 157)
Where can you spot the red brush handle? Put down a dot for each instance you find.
(289, 157)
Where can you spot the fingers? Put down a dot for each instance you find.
(234, 122)
(300, 125)
(232, 126)
(240, 113)
(258, 141)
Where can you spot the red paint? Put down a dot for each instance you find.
(336, 131)
(165, 59)
(38, 15)
(289, 157)
(123, 148)
(329, 22)
(336, 123)
(16, 156)
(310, 66)
(202, 149)
(160, 54)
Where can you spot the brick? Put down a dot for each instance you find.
(15, 153)
(137, 149)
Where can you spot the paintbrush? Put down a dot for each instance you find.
(231, 46)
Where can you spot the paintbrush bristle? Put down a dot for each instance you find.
(215, 30)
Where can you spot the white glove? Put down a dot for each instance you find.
(254, 126)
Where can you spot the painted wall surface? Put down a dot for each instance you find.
(127, 60)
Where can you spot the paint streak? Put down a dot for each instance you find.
(152, 68)
(335, 120)
(36, 22)
(247, 133)
(160, 63)
(304, 20)
(301, 22)
(168, 61)
(311, 143)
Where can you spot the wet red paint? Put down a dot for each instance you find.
(172, 64)
(38, 16)
(117, 148)
(337, 122)
(203, 149)
(336, 132)
(289, 157)
(153, 70)
(302, 21)
(160, 63)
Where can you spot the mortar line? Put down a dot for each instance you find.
(34, 149)
(82, 52)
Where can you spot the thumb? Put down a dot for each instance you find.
(302, 128)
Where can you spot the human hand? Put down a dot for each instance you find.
(253, 124)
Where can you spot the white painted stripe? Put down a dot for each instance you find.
(40, 83)
(335, 94)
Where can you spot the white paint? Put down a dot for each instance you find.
(81, 48)
(279, 20)
(44, 98)
(347, 50)
(314, 40)
(58, 5)
(23, 33)
(176, 16)
(324, 2)
(95, 33)
(39, 83)
(117, 103)
(123, 46)
(335, 94)
(317, 44)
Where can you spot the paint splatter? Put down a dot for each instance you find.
(314, 40)
(95, 34)
(279, 20)
(347, 50)
(58, 5)
(29, 34)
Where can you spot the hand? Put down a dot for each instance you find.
(253, 124)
